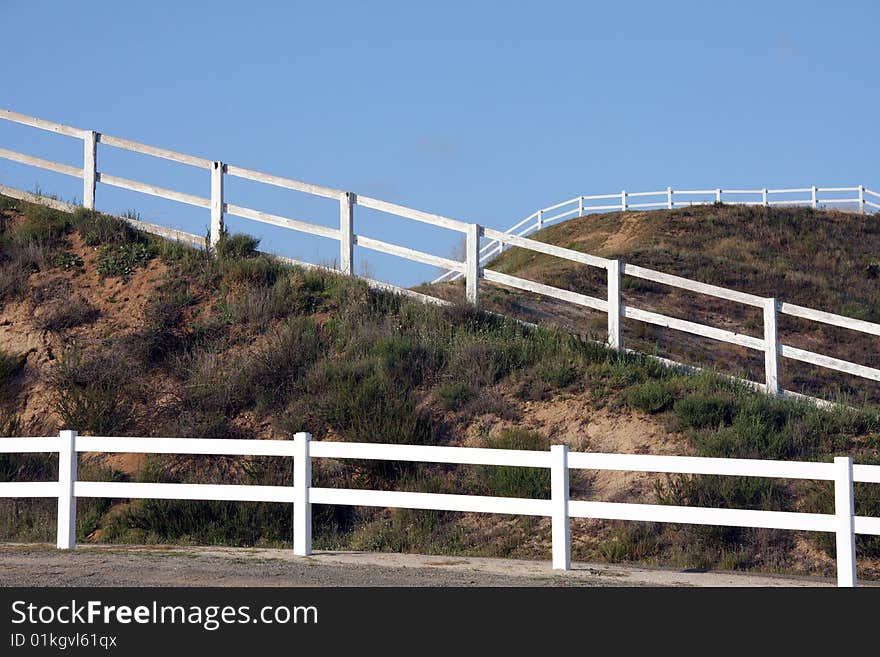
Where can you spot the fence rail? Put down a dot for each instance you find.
(482, 243)
(560, 508)
(540, 219)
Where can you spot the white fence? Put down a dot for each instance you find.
(577, 207)
(843, 522)
(471, 267)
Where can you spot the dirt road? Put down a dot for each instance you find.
(42, 565)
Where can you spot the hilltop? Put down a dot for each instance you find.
(822, 259)
(113, 332)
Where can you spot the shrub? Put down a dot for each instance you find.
(93, 395)
(700, 412)
(265, 378)
(707, 546)
(32, 256)
(13, 281)
(481, 362)
(67, 261)
(204, 523)
(237, 246)
(259, 271)
(121, 260)
(530, 387)
(258, 306)
(559, 373)
(164, 314)
(631, 541)
(98, 229)
(276, 369)
(766, 429)
(651, 397)
(510, 481)
(365, 406)
(454, 394)
(405, 360)
(39, 225)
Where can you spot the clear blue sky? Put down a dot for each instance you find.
(482, 111)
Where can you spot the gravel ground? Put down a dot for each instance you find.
(42, 565)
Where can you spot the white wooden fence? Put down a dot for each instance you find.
(843, 522)
(577, 207)
(472, 265)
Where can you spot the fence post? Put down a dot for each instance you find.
(669, 198)
(862, 199)
(302, 507)
(764, 197)
(472, 260)
(623, 201)
(580, 206)
(346, 233)
(216, 202)
(90, 168)
(844, 510)
(814, 197)
(771, 348)
(614, 339)
(540, 219)
(559, 492)
(66, 527)
(718, 196)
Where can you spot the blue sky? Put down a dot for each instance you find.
(481, 111)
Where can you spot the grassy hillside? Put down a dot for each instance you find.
(112, 332)
(828, 260)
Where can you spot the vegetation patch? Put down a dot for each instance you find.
(121, 260)
(509, 481)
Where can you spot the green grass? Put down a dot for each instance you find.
(507, 481)
(121, 260)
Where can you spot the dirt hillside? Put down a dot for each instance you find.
(112, 332)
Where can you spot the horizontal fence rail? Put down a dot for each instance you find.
(844, 523)
(483, 243)
(672, 198)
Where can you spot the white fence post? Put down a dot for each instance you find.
(302, 484)
(472, 247)
(540, 219)
(771, 348)
(844, 510)
(346, 233)
(559, 492)
(814, 197)
(862, 199)
(614, 339)
(216, 202)
(764, 197)
(580, 206)
(718, 196)
(669, 203)
(623, 200)
(90, 168)
(66, 527)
